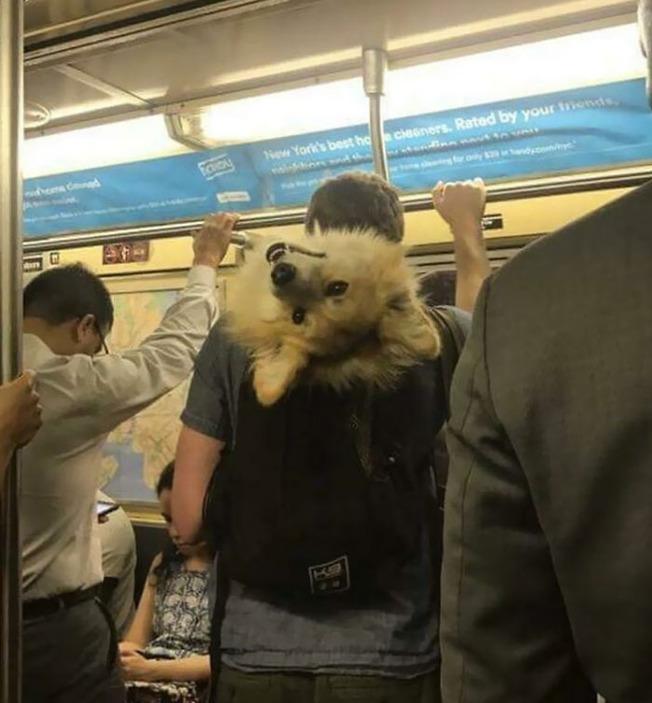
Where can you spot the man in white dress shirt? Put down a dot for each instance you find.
(69, 644)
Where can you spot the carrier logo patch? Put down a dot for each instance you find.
(332, 577)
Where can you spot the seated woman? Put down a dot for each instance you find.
(165, 653)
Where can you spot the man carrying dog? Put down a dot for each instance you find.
(380, 647)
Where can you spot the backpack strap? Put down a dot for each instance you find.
(453, 337)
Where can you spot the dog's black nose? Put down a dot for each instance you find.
(283, 273)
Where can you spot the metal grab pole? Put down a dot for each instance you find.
(374, 69)
(11, 136)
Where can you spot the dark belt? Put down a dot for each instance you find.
(43, 607)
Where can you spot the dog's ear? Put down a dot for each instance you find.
(275, 371)
(407, 324)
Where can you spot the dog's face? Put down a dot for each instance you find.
(322, 301)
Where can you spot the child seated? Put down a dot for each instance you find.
(165, 654)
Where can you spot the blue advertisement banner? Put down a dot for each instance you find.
(601, 126)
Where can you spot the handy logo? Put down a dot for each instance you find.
(216, 166)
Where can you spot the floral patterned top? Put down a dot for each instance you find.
(181, 623)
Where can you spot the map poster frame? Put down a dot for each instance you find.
(138, 450)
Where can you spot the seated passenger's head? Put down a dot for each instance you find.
(70, 309)
(164, 494)
(356, 201)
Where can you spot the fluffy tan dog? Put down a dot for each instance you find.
(331, 309)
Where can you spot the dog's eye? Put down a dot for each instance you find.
(336, 288)
(298, 316)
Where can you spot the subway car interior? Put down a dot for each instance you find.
(141, 117)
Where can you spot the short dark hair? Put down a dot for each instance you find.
(170, 555)
(68, 292)
(166, 479)
(438, 288)
(357, 200)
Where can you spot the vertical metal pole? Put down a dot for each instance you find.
(11, 136)
(374, 69)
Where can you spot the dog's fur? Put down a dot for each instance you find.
(368, 334)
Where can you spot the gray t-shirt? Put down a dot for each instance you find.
(394, 636)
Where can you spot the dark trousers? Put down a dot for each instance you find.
(70, 657)
(238, 687)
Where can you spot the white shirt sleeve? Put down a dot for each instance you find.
(114, 387)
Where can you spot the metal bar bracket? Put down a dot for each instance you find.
(374, 70)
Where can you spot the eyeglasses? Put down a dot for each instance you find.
(105, 346)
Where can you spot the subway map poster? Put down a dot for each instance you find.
(137, 451)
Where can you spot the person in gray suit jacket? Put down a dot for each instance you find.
(547, 576)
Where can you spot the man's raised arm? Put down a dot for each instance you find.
(461, 206)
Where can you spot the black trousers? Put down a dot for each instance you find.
(70, 657)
